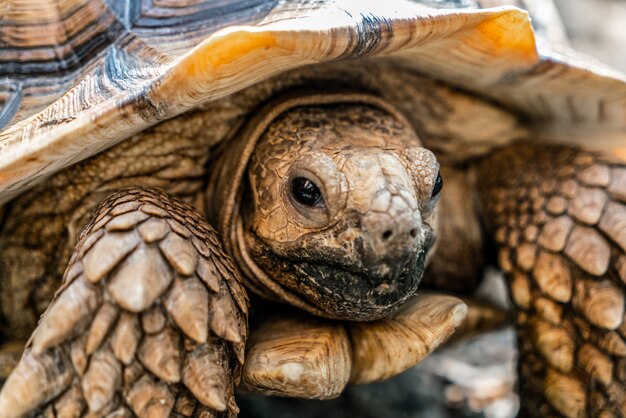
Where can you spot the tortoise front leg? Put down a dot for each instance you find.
(151, 318)
(559, 218)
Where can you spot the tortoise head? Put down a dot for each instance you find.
(338, 209)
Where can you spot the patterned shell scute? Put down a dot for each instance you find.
(89, 36)
(79, 77)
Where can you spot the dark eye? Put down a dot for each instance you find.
(437, 187)
(306, 192)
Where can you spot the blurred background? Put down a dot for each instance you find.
(597, 28)
(475, 378)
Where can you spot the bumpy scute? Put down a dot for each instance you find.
(141, 328)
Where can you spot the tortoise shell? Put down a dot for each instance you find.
(78, 76)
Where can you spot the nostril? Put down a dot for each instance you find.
(387, 234)
(413, 232)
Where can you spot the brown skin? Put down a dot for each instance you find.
(570, 325)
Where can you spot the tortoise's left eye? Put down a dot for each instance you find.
(437, 187)
(306, 192)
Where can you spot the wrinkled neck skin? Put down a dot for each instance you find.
(336, 212)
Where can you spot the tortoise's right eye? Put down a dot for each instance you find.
(305, 192)
(437, 187)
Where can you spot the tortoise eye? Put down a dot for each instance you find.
(305, 192)
(437, 187)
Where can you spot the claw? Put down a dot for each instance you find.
(35, 380)
(67, 315)
(204, 376)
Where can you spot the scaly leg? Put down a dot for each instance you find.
(558, 215)
(151, 318)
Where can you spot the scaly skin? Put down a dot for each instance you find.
(558, 215)
(150, 317)
(42, 226)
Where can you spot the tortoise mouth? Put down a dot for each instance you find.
(341, 291)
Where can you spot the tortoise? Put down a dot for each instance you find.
(162, 159)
